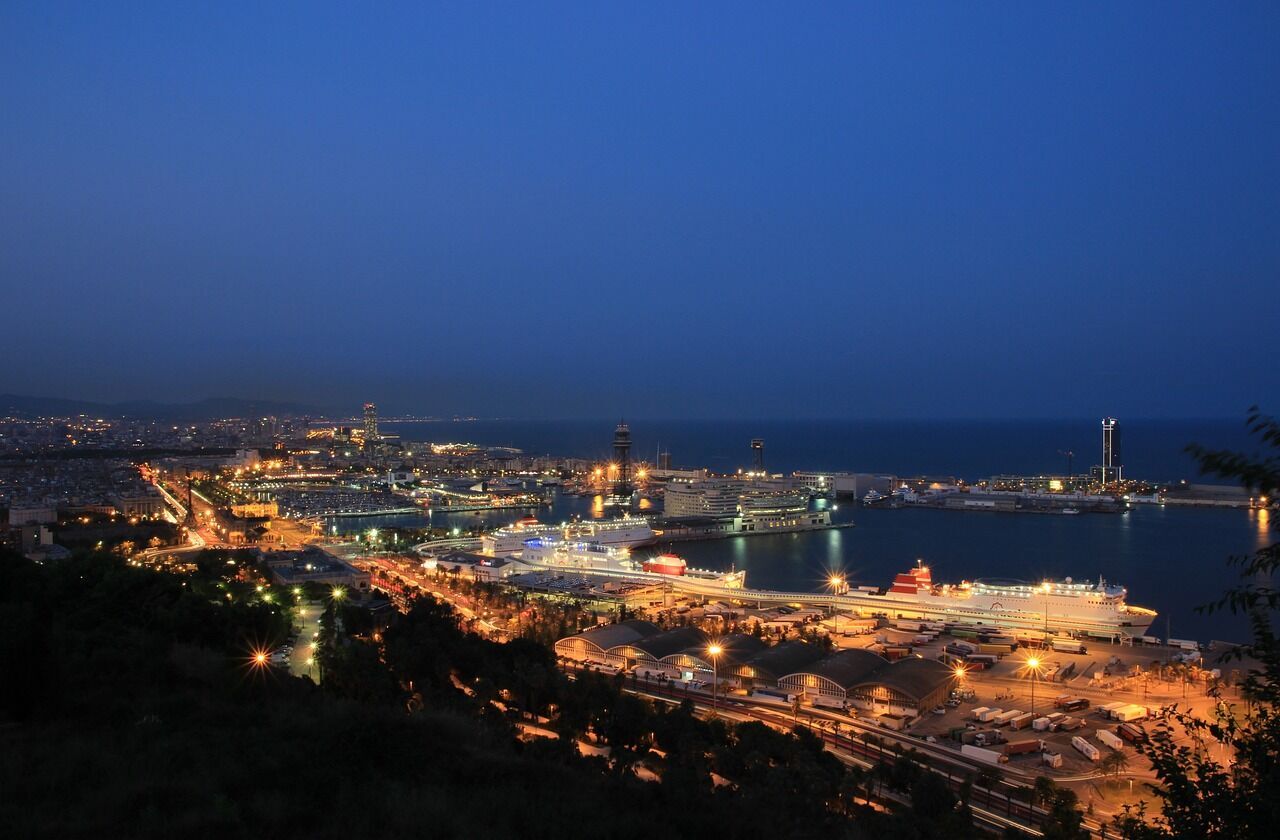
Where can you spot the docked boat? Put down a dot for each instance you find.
(1066, 606)
(873, 497)
(625, 532)
(566, 555)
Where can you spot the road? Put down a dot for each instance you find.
(302, 661)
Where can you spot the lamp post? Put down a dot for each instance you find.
(836, 582)
(1033, 666)
(714, 650)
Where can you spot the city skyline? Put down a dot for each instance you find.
(603, 212)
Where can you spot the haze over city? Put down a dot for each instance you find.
(663, 211)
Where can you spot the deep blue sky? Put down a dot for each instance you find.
(900, 210)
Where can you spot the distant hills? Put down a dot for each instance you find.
(17, 405)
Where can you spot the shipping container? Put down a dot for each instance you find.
(1067, 724)
(984, 658)
(977, 713)
(1086, 749)
(995, 649)
(1069, 646)
(1041, 724)
(1185, 644)
(989, 714)
(1004, 717)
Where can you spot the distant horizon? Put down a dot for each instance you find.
(333, 412)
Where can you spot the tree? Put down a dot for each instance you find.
(1114, 763)
(1201, 797)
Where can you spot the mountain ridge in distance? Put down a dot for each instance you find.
(210, 408)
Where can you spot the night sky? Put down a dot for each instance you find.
(529, 210)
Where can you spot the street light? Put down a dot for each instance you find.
(714, 650)
(836, 582)
(1033, 668)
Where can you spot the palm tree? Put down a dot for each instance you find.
(1114, 763)
(1043, 791)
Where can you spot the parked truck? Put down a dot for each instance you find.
(1022, 721)
(1109, 739)
(1041, 724)
(1108, 710)
(1023, 747)
(989, 714)
(983, 754)
(977, 713)
(1004, 718)
(1086, 749)
(1132, 734)
(1130, 713)
(1069, 646)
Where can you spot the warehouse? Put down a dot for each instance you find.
(834, 676)
(908, 687)
(764, 669)
(735, 649)
(593, 644)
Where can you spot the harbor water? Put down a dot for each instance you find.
(1172, 560)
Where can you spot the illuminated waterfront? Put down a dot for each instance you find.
(1171, 560)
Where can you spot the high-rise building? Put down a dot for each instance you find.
(370, 423)
(757, 454)
(664, 460)
(622, 458)
(1112, 465)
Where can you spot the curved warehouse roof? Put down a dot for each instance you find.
(913, 677)
(624, 633)
(784, 658)
(848, 667)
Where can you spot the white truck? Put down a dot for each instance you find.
(978, 712)
(1086, 749)
(1004, 717)
(1130, 713)
(1110, 739)
(983, 754)
(989, 714)
(1061, 645)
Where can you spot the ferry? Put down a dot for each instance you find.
(566, 555)
(626, 532)
(1090, 608)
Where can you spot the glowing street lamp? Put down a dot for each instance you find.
(714, 650)
(836, 582)
(338, 593)
(1033, 670)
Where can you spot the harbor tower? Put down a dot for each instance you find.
(370, 423)
(757, 454)
(1112, 465)
(622, 457)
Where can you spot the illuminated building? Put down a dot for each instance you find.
(622, 458)
(370, 423)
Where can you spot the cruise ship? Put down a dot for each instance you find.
(626, 532)
(567, 555)
(1091, 608)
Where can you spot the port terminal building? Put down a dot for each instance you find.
(855, 678)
